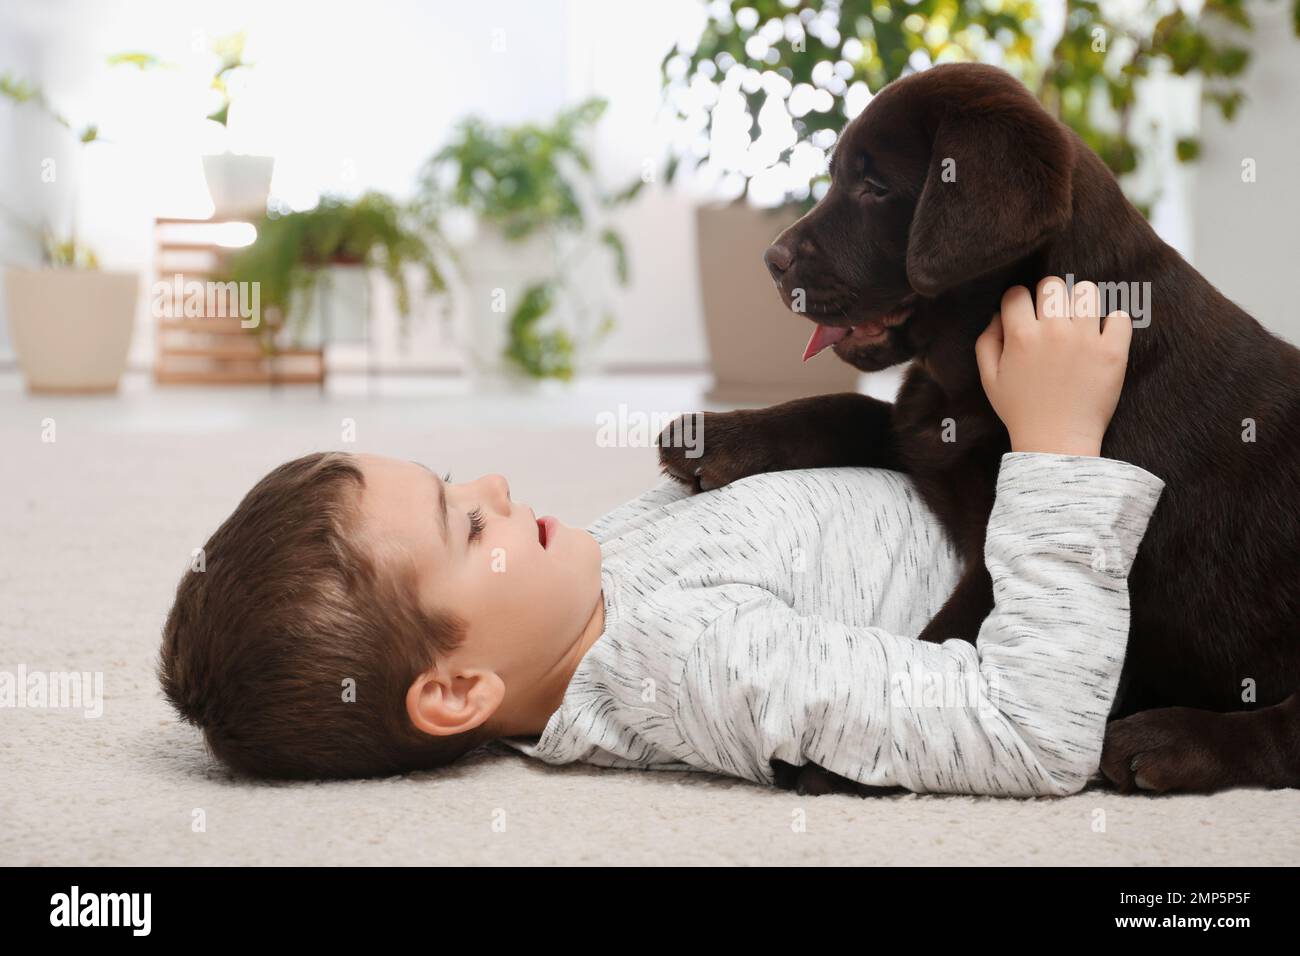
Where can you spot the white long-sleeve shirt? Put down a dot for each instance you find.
(776, 618)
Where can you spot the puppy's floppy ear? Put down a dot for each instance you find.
(998, 186)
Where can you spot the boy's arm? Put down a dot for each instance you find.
(1022, 712)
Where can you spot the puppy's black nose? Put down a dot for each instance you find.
(778, 259)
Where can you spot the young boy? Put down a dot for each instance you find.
(360, 616)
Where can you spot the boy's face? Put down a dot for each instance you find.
(526, 587)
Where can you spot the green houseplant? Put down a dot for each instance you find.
(59, 249)
(71, 322)
(238, 183)
(1089, 79)
(541, 213)
(294, 252)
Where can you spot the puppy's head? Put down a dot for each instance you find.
(945, 177)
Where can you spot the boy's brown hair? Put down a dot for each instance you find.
(260, 646)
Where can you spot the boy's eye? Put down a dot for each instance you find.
(475, 524)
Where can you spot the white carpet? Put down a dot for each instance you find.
(95, 530)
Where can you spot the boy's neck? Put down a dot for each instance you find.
(533, 713)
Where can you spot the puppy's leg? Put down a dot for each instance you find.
(966, 608)
(711, 449)
(810, 780)
(1180, 748)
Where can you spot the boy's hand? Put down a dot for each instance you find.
(1054, 379)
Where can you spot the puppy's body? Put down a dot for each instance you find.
(1215, 589)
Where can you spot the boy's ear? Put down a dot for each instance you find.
(997, 187)
(443, 703)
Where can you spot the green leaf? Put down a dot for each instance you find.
(69, 254)
(1228, 102)
(627, 193)
(614, 243)
(19, 90)
(1232, 61)
(1230, 10)
(231, 50)
(670, 168)
(141, 61)
(539, 354)
(1188, 149)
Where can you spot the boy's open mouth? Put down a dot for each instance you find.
(545, 531)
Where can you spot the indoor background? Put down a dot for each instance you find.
(511, 237)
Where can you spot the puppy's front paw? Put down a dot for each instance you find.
(810, 780)
(807, 780)
(707, 450)
(1172, 748)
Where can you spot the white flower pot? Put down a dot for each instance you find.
(71, 328)
(755, 343)
(495, 273)
(239, 185)
(336, 309)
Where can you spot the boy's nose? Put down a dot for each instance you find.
(500, 489)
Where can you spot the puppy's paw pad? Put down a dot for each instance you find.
(1159, 751)
(1151, 772)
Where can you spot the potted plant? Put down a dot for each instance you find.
(239, 184)
(70, 321)
(539, 217)
(298, 255)
(1090, 82)
(780, 78)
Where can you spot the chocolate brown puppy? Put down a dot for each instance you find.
(953, 185)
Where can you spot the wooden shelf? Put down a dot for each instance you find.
(218, 350)
(216, 221)
(217, 325)
(250, 352)
(169, 376)
(184, 245)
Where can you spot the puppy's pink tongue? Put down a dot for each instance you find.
(823, 337)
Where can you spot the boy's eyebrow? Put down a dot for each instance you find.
(442, 499)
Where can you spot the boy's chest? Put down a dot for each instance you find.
(848, 545)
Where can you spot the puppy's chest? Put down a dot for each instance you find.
(952, 446)
(941, 428)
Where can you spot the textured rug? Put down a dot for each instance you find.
(95, 529)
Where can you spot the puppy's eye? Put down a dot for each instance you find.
(867, 175)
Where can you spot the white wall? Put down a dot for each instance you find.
(1246, 239)
(17, 245)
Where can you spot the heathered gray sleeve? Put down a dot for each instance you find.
(1022, 712)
